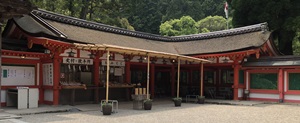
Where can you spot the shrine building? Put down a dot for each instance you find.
(65, 58)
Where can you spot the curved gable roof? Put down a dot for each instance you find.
(72, 29)
(222, 44)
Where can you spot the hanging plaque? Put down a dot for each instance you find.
(114, 63)
(68, 60)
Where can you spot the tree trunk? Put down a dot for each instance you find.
(71, 8)
(84, 9)
(52, 5)
(91, 10)
(285, 40)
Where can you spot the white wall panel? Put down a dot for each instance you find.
(48, 95)
(3, 95)
(265, 96)
(285, 81)
(240, 92)
(119, 57)
(17, 76)
(292, 97)
(84, 54)
(68, 50)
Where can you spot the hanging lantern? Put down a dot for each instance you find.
(71, 53)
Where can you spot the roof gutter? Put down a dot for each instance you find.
(49, 26)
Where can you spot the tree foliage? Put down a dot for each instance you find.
(212, 23)
(296, 44)
(142, 15)
(155, 16)
(281, 15)
(103, 11)
(187, 25)
(197, 9)
(183, 26)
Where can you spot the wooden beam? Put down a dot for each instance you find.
(148, 77)
(135, 51)
(26, 54)
(201, 80)
(216, 55)
(107, 75)
(178, 77)
(153, 53)
(172, 80)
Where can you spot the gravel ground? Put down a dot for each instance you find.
(187, 113)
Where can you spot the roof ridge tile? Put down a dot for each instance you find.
(102, 27)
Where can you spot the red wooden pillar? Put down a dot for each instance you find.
(201, 78)
(236, 80)
(96, 77)
(41, 90)
(218, 81)
(190, 78)
(152, 78)
(127, 72)
(127, 78)
(173, 81)
(280, 85)
(56, 79)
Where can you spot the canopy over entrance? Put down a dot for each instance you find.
(141, 52)
(134, 51)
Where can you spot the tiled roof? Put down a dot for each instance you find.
(273, 61)
(65, 28)
(102, 27)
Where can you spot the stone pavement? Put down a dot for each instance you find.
(10, 113)
(238, 102)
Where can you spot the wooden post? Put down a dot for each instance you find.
(41, 90)
(218, 81)
(190, 74)
(0, 61)
(107, 74)
(152, 76)
(178, 77)
(201, 80)
(96, 77)
(173, 81)
(127, 72)
(56, 78)
(148, 67)
(127, 79)
(236, 80)
(281, 85)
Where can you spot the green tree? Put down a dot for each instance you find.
(103, 11)
(212, 23)
(204, 30)
(125, 24)
(281, 15)
(212, 7)
(296, 44)
(144, 15)
(178, 8)
(197, 9)
(183, 26)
